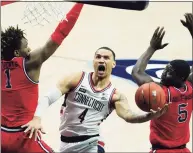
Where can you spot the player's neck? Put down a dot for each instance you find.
(100, 82)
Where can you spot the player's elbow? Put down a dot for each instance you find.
(136, 73)
(130, 119)
(136, 70)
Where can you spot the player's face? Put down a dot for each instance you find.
(169, 77)
(103, 63)
(24, 50)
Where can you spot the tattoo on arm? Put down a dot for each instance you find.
(131, 116)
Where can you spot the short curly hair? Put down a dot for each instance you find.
(181, 67)
(10, 41)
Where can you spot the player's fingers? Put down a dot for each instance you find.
(164, 45)
(42, 131)
(183, 22)
(162, 35)
(155, 33)
(28, 128)
(166, 105)
(152, 111)
(31, 133)
(160, 32)
(165, 108)
(36, 135)
(189, 18)
(25, 125)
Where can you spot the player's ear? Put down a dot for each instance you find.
(114, 64)
(16, 53)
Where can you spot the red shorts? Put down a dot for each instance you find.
(185, 150)
(15, 140)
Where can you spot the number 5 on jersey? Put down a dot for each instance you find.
(182, 112)
(82, 115)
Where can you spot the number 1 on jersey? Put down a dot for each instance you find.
(8, 83)
(82, 115)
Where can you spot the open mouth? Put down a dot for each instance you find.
(101, 69)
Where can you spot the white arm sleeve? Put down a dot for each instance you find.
(44, 102)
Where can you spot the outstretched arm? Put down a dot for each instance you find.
(124, 111)
(66, 84)
(189, 25)
(63, 86)
(38, 56)
(138, 72)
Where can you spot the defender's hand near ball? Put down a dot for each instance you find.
(159, 112)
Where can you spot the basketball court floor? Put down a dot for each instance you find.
(128, 33)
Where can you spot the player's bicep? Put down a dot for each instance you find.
(141, 78)
(69, 82)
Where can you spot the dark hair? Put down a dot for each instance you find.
(181, 68)
(107, 48)
(10, 41)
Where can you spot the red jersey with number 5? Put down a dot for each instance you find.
(172, 129)
(19, 94)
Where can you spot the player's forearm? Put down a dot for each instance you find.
(49, 48)
(138, 118)
(66, 25)
(142, 62)
(47, 100)
(60, 33)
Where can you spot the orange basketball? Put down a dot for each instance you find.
(150, 96)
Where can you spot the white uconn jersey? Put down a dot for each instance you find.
(85, 108)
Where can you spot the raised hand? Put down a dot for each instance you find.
(156, 40)
(189, 22)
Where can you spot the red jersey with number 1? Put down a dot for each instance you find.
(172, 129)
(19, 94)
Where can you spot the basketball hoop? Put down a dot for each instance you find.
(44, 12)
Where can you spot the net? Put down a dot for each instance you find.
(42, 13)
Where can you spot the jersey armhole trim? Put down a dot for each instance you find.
(110, 100)
(189, 83)
(169, 96)
(65, 98)
(79, 82)
(24, 69)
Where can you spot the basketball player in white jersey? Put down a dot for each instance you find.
(89, 99)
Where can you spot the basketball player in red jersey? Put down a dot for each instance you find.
(20, 71)
(170, 132)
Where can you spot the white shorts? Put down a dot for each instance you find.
(89, 145)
